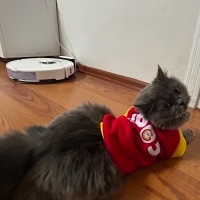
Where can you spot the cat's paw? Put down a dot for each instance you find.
(188, 135)
(186, 116)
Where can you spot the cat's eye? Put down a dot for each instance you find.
(177, 90)
(167, 106)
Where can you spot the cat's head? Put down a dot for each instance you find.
(164, 102)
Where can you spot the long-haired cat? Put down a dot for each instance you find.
(81, 154)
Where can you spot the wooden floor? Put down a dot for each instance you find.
(25, 104)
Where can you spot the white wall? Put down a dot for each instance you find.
(130, 37)
(1, 51)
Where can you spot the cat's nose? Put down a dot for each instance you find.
(180, 102)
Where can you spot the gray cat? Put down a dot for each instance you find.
(74, 157)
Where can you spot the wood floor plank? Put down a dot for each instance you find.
(25, 104)
(26, 110)
(73, 94)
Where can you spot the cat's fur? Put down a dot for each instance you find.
(67, 159)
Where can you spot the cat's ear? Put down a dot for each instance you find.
(161, 76)
(144, 106)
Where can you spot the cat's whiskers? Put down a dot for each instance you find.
(178, 113)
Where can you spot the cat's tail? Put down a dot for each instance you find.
(16, 150)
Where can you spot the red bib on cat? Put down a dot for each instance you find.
(133, 142)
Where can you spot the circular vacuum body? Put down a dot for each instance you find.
(39, 69)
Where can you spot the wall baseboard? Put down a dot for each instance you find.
(114, 78)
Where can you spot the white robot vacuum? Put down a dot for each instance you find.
(40, 69)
